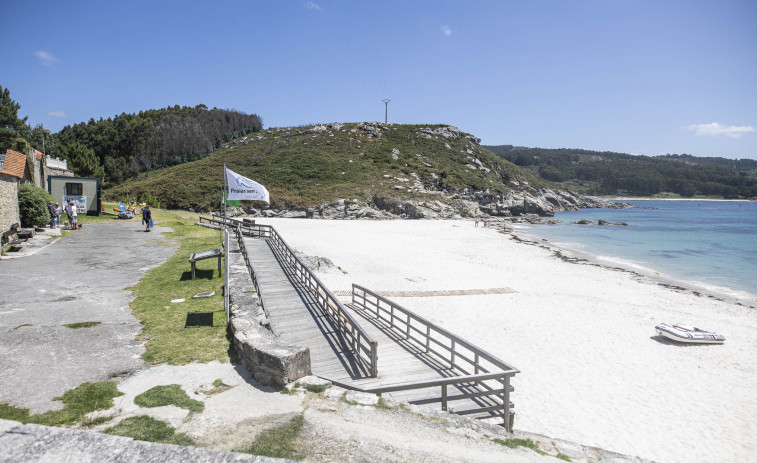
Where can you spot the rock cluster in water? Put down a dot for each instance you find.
(599, 222)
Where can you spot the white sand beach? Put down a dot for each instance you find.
(592, 368)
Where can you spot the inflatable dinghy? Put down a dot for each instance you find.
(690, 334)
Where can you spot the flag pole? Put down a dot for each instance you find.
(223, 197)
(225, 246)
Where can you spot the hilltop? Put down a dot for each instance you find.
(365, 169)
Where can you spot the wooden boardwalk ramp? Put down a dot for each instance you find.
(373, 344)
(295, 315)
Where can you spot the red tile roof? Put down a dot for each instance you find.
(37, 155)
(15, 164)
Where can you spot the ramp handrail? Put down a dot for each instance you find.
(250, 268)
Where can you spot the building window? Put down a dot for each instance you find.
(74, 189)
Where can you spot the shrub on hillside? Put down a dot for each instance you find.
(32, 205)
(149, 199)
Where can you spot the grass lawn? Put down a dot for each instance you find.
(171, 394)
(277, 442)
(77, 402)
(165, 328)
(149, 429)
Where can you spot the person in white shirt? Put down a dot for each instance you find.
(73, 214)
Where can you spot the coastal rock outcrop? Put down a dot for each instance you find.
(532, 205)
(543, 202)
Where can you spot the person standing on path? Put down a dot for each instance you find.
(147, 217)
(51, 210)
(68, 212)
(73, 215)
(58, 213)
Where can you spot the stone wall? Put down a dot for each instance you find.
(269, 359)
(9, 213)
(54, 171)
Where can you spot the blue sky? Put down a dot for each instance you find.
(641, 77)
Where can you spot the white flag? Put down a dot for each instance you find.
(241, 187)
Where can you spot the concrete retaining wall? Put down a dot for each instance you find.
(269, 359)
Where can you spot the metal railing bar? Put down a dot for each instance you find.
(440, 381)
(453, 398)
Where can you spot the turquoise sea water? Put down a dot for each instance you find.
(710, 243)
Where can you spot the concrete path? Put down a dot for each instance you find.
(79, 278)
(44, 444)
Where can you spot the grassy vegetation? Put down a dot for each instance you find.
(514, 442)
(278, 442)
(303, 169)
(77, 402)
(149, 429)
(80, 325)
(218, 387)
(315, 388)
(172, 394)
(163, 323)
(84, 219)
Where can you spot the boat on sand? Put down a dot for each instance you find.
(688, 334)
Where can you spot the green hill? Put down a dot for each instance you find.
(608, 173)
(373, 163)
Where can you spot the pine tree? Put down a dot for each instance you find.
(11, 127)
(82, 160)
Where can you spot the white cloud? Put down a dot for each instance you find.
(45, 58)
(60, 114)
(446, 30)
(311, 5)
(713, 128)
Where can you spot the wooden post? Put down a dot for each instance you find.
(506, 403)
(374, 359)
(428, 337)
(444, 397)
(452, 356)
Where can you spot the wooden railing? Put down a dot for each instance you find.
(361, 344)
(220, 220)
(240, 240)
(469, 364)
